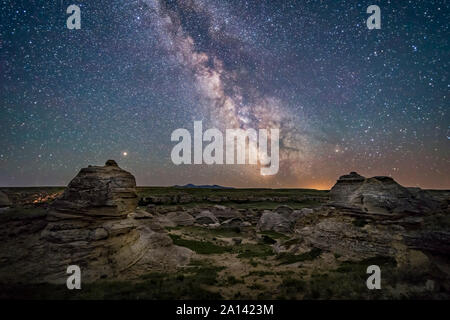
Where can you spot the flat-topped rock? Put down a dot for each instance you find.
(100, 191)
(345, 186)
(380, 194)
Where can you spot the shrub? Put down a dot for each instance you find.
(288, 258)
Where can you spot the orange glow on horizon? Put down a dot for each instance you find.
(319, 186)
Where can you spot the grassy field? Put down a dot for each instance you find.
(250, 270)
(256, 192)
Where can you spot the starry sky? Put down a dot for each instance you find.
(345, 98)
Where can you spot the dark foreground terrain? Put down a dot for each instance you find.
(235, 243)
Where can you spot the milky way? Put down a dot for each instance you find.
(344, 97)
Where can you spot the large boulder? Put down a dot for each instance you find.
(181, 218)
(274, 221)
(284, 210)
(206, 217)
(339, 235)
(100, 191)
(225, 213)
(4, 200)
(380, 195)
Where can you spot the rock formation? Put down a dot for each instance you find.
(181, 218)
(377, 217)
(206, 217)
(93, 225)
(4, 200)
(274, 221)
(225, 213)
(100, 191)
(380, 195)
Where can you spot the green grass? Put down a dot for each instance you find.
(361, 266)
(187, 284)
(204, 232)
(260, 273)
(260, 205)
(249, 250)
(232, 280)
(244, 250)
(270, 205)
(291, 242)
(256, 286)
(297, 284)
(201, 247)
(274, 235)
(201, 192)
(289, 258)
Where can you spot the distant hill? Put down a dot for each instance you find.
(214, 186)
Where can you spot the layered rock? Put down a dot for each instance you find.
(274, 221)
(206, 217)
(4, 200)
(380, 195)
(341, 236)
(346, 185)
(284, 210)
(181, 218)
(225, 213)
(100, 191)
(93, 225)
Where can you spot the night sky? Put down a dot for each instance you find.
(344, 97)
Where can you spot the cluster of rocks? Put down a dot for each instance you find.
(282, 219)
(212, 217)
(94, 225)
(217, 199)
(371, 217)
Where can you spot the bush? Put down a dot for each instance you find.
(201, 247)
(288, 258)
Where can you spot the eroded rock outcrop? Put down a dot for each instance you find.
(93, 225)
(274, 221)
(4, 200)
(181, 218)
(380, 195)
(206, 217)
(225, 213)
(100, 191)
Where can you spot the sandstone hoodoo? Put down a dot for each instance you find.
(380, 195)
(100, 191)
(94, 225)
(4, 200)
